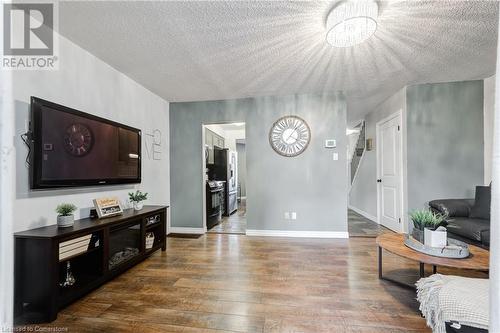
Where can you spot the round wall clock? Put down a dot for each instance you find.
(78, 140)
(289, 136)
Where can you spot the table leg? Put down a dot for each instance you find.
(381, 275)
(422, 270)
(379, 262)
(434, 269)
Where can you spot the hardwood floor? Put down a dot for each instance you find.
(221, 282)
(234, 224)
(360, 226)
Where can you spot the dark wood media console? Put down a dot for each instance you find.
(97, 250)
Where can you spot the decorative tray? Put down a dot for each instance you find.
(455, 248)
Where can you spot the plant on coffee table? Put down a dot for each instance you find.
(426, 219)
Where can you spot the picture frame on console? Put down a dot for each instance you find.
(107, 207)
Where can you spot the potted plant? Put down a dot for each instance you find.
(426, 219)
(137, 199)
(65, 217)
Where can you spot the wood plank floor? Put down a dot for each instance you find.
(360, 226)
(234, 224)
(236, 283)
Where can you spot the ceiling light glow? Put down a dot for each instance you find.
(351, 22)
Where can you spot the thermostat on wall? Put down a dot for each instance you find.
(330, 143)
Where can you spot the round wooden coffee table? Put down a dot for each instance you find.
(394, 243)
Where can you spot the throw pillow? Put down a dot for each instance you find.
(481, 208)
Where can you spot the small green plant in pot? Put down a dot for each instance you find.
(65, 217)
(426, 219)
(137, 199)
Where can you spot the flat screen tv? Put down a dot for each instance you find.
(73, 148)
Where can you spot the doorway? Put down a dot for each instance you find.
(224, 175)
(389, 172)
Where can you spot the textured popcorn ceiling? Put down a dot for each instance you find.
(191, 51)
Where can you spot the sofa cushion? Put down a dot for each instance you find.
(469, 228)
(486, 238)
(453, 207)
(481, 208)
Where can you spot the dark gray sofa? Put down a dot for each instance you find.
(468, 219)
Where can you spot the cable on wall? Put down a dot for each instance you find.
(27, 138)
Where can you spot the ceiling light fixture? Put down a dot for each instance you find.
(351, 22)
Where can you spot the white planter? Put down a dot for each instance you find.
(138, 205)
(65, 221)
(435, 238)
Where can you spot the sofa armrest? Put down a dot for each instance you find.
(452, 207)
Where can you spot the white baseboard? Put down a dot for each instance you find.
(182, 230)
(294, 233)
(364, 214)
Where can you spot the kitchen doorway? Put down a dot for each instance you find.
(224, 174)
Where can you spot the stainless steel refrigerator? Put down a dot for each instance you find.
(226, 169)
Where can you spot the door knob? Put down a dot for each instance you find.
(379, 180)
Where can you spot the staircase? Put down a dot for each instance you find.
(358, 151)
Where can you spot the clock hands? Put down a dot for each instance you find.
(292, 132)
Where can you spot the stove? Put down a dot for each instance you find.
(215, 200)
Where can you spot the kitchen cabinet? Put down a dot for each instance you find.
(212, 139)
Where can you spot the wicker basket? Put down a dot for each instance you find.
(150, 239)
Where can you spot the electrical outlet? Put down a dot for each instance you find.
(294, 215)
(287, 215)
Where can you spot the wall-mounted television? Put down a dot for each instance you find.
(72, 148)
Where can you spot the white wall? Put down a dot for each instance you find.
(489, 112)
(231, 135)
(494, 287)
(7, 167)
(216, 128)
(86, 83)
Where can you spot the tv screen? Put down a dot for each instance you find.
(73, 148)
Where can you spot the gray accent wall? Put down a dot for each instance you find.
(311, 184)
(445, 141)
(443, 145)
(242, 169)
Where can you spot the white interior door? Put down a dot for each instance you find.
(389, 171)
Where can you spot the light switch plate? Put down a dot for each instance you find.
(335, 156)
(287, 215)
(330, 143)
(294, 215)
